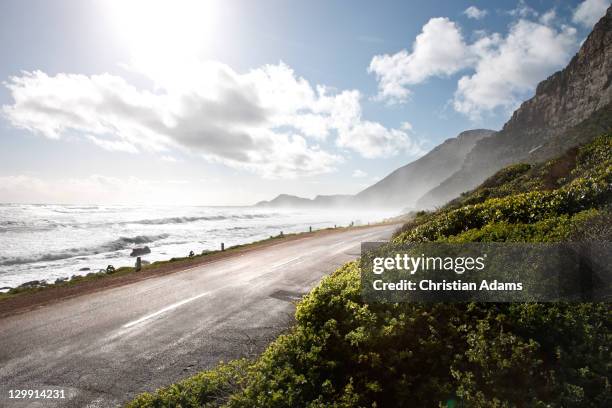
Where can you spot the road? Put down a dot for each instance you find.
(106, 347)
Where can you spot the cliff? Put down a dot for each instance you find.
(571, 107)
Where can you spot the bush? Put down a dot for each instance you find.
(206, 389)
(532, 207)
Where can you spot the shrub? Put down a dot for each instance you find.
(206, 389)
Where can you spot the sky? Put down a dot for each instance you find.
(230, 102)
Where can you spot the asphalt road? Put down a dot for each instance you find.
(104, 348)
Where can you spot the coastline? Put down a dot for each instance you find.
(28, 299)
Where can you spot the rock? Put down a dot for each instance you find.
(61, 280)
(6, 288)
(33, 284)
(140, 251)
(84, 269)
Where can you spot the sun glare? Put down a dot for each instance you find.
(162, 34)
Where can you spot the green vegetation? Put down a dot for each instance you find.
(345, 353)
(206, 389)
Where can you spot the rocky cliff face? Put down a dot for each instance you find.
(404, 186)
(570, 107)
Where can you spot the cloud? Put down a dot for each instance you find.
(373, 140)
(428, 58)
(407, 126)
(359, 174)
(113, 145)
(504, 68)
(522, 10)
(475, 13)
(268, 121)
(509, 68)
(548, 17)
(589, 12)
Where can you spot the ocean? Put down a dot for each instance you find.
(46, 242)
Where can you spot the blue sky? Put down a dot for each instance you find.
(231, 102)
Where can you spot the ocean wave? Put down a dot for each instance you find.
(21, 226)
(11, 223)
(28, 226)
(111, 246)
(181, 220)
(175, 220)
(84, 210)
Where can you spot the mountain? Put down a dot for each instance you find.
(285, 200)
(320, 201)
(404, 186)
(569, 108)
(335, 200)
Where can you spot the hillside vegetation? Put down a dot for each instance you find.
(345, 353)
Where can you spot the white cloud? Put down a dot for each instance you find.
(523, 10)
(509, 68)
(373, 140)
(407, 126)
(428, 58)
(359, 174)
(113, 145)
(589, 12)
(267, 120)
(505, 68)
(548, 17)
(475, 13)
